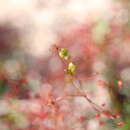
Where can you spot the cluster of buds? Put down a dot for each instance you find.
(71, 67)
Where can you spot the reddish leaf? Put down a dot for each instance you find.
(120, 84)
(103, 104)
(107, 113)
(101, 83)
(119, 123)
(42, 115)
(82, 118)
(101, 123)
(97, 115)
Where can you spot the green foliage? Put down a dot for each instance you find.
(126, 125)
(126, 107)
(17, 119)
(3, 86)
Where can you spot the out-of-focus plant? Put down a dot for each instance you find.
(70, 71)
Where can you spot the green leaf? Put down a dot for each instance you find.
(3, 87)
(71, 68)
(63, 53)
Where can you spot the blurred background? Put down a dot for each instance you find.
(97, 36)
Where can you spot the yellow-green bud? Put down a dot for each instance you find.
(71, 68)
(63, 53)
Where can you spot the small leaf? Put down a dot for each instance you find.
(71, 68)
(101, 123)
(119, 123)
(42, 115)
(82, 119)
(120, 84)
(97, 116)
(103, 105)
(63, 53)
(101, 83)
(67, 57)
(107, 113)
(3, 87)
